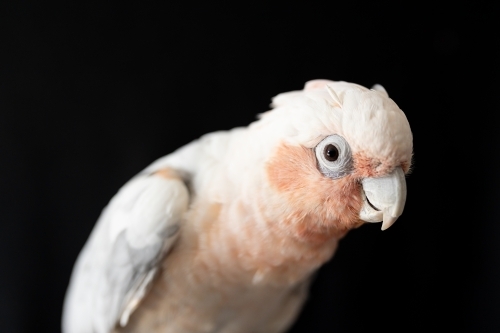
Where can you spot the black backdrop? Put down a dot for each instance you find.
(92, 93)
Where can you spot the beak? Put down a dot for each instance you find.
(384, 198)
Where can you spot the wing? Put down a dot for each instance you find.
(117, 264)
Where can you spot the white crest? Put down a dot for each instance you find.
(378, 87)
(333, 95)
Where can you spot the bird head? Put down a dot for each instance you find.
(340, 155)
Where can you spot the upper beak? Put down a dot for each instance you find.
(384, 198)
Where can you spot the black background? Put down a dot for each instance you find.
(92, 93)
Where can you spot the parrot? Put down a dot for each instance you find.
(226, 233)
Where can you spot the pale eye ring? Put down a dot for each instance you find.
(334, 157)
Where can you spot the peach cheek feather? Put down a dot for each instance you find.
(322, 208)
(365, 166)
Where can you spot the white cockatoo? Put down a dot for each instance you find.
(224, 234)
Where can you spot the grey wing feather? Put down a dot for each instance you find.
(117, 264)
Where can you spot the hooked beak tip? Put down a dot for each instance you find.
(388, 220)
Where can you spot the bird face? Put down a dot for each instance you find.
(353, 172)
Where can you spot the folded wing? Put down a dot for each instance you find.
(117, 264)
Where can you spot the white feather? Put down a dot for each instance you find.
(380, 88)
(116, 266)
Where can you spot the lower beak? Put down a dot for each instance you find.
(384, 198)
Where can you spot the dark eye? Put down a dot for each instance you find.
(334, 156)
(331, 153)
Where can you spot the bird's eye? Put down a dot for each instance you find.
(334, 156)
(331, 153)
